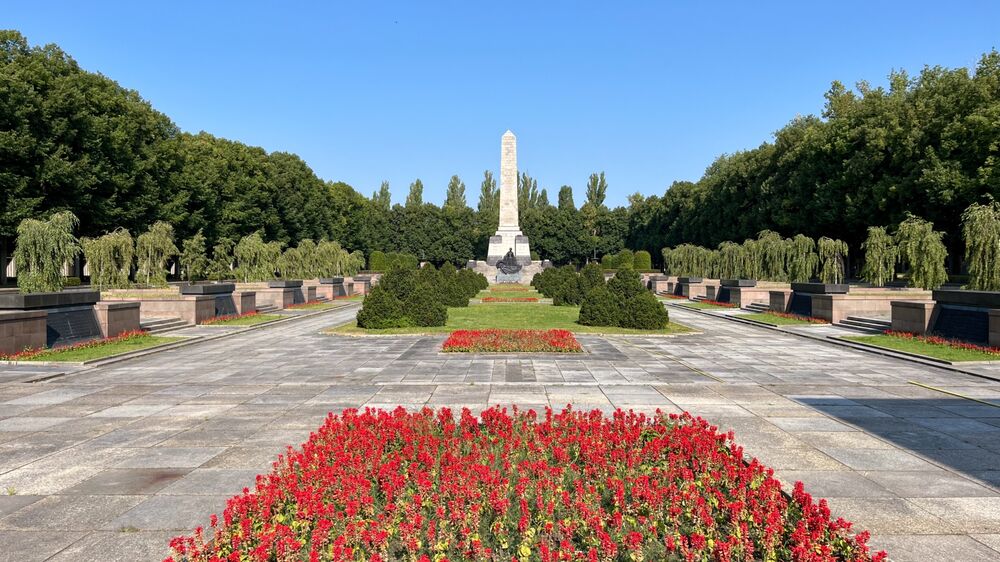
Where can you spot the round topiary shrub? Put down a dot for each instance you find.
(399, 282)
(599, 308)
(424, 309)
(625, 284)
(591, 276)
(625, 259)
(381, 309)
(644, 312)
(642, 261)
(377, 261)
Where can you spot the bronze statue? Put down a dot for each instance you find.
(509, 263)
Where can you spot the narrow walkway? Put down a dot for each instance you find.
(109, 463)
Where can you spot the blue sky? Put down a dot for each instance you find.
(366, 91)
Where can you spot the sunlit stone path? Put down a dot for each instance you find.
(109, 463)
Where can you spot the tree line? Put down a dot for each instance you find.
(77, 141)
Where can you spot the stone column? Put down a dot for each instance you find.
(508, 182)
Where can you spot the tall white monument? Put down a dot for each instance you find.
(508, 236)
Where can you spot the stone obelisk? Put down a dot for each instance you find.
(508, 236)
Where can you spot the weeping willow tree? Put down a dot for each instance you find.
(922, 250)
(981, 231)
(257, 260)
(802, 259)
(153, 248)
(831, 258)
(194, 261)
(310, 264)
(731, 261)
(331, 259)
(110, 258)
(291, 264)
(880, 257)
(355, 263)
(688, 260)
(773, 249)
(221, 266)
(42, 250)
(754, 259)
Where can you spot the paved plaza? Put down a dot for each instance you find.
(108, 463)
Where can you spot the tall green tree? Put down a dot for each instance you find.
(43, 249)
(880, 257)
(922, 249)
(415, 197)
(597, 189)
(153, 250)
(981, 231)
(109, 258)
(455, 195)
(566, 198)
(194, 259)
(382, 198)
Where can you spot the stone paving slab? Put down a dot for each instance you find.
(107, 463)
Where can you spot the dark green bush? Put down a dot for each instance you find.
(644, 312)
(424, 309)
(381, 309)
(625, 259)
(399, 282)
(600, 308)
(625, 284)
(643, 261)
(377, 261)
(591, 276)
(568, 293)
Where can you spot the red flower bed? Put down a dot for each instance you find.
(938, 340)
(677, 297)
(379, 486)
(512, 340)
(810, 319)
(509, 299)
(719, 303)
(508, 288)
(34, 352)
(227, 317)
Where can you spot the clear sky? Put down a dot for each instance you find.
(366, 91)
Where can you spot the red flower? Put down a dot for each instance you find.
(34, 352)
(379, 485)
(511, 341)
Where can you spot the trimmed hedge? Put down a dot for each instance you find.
(412, 297)
(381, 309)
(424, 309)
(623, 303)
(600, 308)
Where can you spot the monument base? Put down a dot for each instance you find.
(495, 276)
(507, 239)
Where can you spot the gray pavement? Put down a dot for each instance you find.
(108, 463)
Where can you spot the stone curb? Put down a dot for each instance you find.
(834, 340)
(96, 363)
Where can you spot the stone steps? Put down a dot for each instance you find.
(160, 325)
(267, 309)
(757, 307)
(868, 325)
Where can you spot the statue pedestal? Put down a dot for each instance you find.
(505, 240)
(508, 277)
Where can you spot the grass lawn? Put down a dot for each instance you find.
(775, 320)
(316, 306)
(103, 350)
(511, 316)
(706, 306)
(936, 351)
(247, 320)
